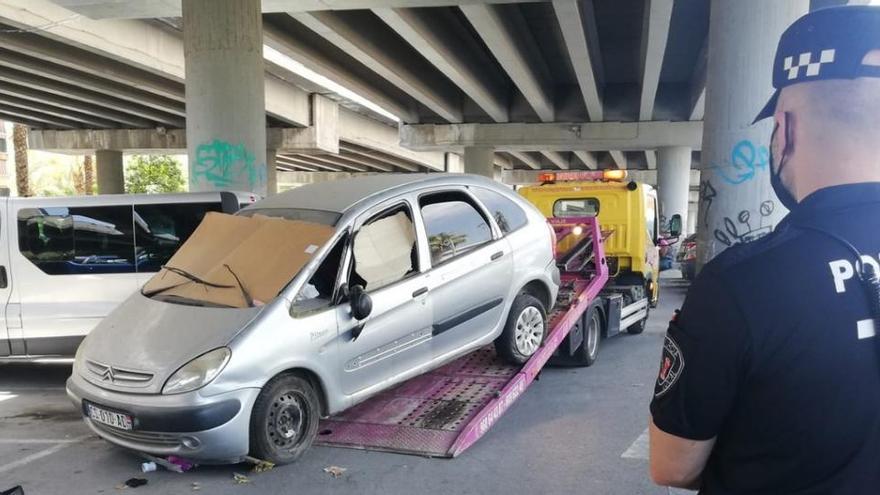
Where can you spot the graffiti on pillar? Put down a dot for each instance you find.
(746, 160)
(746, 228)
(223, 164)
(707, 195)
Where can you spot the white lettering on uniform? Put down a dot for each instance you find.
(841, 270)
(866, 329)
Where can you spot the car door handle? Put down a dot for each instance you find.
(497, 255)
(423, 290)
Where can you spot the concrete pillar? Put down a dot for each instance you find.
(480, 160)
(108, 168)
(673, 185)
(271, 173)
(225, 100)
(693, 213)
(737, 204)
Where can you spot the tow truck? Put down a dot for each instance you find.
(443, 412)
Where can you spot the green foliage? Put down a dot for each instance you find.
(153, 174)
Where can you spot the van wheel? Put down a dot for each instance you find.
(284, 421)
(524, 331)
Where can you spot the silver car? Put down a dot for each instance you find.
(216, 384)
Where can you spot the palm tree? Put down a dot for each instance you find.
(88, 175)
(442, 241)
(20, 143)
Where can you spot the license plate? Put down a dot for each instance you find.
(109, 418)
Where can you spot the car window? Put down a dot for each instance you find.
(319, 291)
(453, 226)
(384, 250)
(507, 214)
(306, 215)
(576, 207)
(78, 240)
(160, 230)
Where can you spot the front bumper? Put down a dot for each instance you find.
(189, 425)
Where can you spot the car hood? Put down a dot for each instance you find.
(143, 342)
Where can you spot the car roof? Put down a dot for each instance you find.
(341, 195)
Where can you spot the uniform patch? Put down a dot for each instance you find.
(671, 366)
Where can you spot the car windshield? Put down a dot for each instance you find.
(237, 261)
(322, 217)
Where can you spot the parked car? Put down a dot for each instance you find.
(687, 257)
(416, 271)
(66, 262)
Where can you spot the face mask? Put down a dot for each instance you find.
(785, 196)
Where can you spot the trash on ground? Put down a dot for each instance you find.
(171, 466)
(135, 482)
(240, 478)
(148, 467)
(335, 471)
(180, 462)
(260, 466)
(196, 486)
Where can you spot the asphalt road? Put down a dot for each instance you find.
(574, 431)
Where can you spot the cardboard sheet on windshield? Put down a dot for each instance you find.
(264, 253)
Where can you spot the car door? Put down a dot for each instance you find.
(471, 270)
(384, 259)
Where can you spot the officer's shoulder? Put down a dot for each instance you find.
(758, 252)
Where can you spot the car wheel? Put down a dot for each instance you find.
(524, 331)
(284, 421)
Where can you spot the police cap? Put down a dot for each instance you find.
(826, 44)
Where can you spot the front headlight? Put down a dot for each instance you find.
(198, 372)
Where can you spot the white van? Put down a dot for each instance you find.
(66, 262)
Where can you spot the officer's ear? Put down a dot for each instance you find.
(782, 143)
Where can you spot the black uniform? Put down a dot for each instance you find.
(774, 354)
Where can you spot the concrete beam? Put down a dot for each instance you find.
(574, 24)
(438, 37)
(34, 115)
(296, 160)
(588, 159)
(135, 43)
(369, 161)
(370, 156)
(18, 119)
(134, 9)
(321, 136)
(590, 136)
(511, 42)
(651, 159)
(527, 159)
(363, 131)
(503, 161)
(619, 158)
(556, 159)
(697, 100)
(283, 164)
(121, 108)
(82, 119)
(655, 33)
(333, 161)
(72, 105)
(358, 36)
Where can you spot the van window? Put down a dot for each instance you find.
(453, 225)
(80, 240)
(161, 229)
(580, 207)
(384, 250)
(507, 214)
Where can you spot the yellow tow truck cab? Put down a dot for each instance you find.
(628, 217)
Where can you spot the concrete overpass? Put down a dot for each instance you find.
(407, 85)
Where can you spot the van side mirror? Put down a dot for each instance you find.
(675, 226)
(361, 302)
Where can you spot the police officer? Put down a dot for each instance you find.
(770, 376)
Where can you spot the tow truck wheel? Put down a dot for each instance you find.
(284, 421)
(524, 331)
(588, 352)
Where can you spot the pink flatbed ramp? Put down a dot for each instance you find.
(442, 413)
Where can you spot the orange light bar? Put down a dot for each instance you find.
(609, 175)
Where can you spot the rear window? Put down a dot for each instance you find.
(306, 215)
(507, 214)
(579, 207)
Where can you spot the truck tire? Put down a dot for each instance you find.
(524, 331)
(284, 421)
(587, 353)
(639, 327)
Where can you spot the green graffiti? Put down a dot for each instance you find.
(223, 164)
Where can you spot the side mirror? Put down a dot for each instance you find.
(361, 302)
(675, 226)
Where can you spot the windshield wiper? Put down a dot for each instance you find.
(247, 296)
(190, 278)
